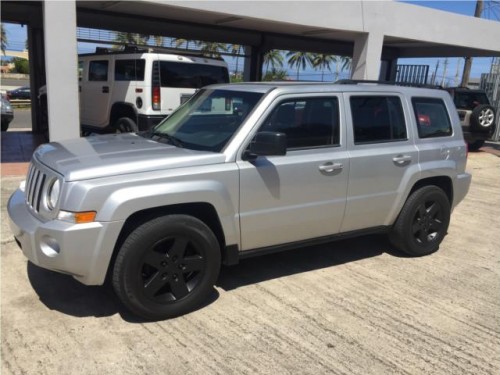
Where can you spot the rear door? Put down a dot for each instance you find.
(384, 160)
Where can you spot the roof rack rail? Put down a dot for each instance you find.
(393, 83)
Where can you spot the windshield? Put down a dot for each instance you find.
(207, 121)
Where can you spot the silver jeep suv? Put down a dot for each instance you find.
(236, 171)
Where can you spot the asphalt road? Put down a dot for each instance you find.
(22, 119)
(351, 307)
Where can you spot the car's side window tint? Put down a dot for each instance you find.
(129, 70)
(432, 118)
(377, 119)
(98, 70)
(308, 122)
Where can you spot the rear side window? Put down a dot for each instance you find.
(187, 75)
(98, 70)
(432, 117)
(377, 119)
(129, 70)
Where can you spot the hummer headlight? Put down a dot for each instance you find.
(53, 193)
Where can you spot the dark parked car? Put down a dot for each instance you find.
(476, 114)
(19, 93)
(7, 113)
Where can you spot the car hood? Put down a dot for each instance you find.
(116, 154)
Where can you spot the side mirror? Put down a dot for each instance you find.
(267, 144)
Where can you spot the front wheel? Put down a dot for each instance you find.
(476, 145)
(423, 222)
(167, 267)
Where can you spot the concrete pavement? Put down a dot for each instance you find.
(350, 307)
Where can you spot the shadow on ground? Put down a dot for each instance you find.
(64, 294)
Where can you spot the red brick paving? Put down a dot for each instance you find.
(17, 148)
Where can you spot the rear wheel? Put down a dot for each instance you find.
(167, 267)
(125, 125)
(423, 222)
(5, 126)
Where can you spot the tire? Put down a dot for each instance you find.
(167, 267)
(482, 118)
(125, 125)
(423, 222)
(476, 145)
(5, 126)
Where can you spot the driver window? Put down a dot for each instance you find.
(307, 123)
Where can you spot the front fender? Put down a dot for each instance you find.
(126, 201)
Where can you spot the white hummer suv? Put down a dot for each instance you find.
(236, 171)
(134, 89)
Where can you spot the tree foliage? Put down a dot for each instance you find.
(300, 60)
(21, 65)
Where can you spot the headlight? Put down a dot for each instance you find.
(53, 193)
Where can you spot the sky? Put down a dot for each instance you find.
(16, 35)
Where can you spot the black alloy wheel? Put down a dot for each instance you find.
(167, 267)
(423, 222)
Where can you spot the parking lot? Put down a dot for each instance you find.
(350, 307)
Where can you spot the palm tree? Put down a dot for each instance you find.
(212, 49)
(273, 58)
(130, 38)
(346, 63)
(236, 50)
(177, 42)
(275, 75)
(158, 41)
(299, 59)
(323, 61)
(4, 39)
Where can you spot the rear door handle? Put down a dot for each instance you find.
(402, 160)
(105, 89)
(331, 167)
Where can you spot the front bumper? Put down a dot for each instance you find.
(81, 250)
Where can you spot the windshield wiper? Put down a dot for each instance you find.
(173, 140)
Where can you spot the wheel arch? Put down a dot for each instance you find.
(443, 182)
(202, 211)
(122, 109)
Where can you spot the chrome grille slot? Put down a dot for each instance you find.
(34, 187)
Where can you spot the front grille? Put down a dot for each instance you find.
(34, 187)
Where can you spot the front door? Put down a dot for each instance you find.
(300, 195)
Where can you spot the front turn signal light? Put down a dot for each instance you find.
(77, 217)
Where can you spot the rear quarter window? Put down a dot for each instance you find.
(431, 117)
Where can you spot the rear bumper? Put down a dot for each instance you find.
(461, 188)
(146, 122)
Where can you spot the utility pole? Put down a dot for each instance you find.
(457, 74)
(433, 79)
(468, 60)
(443, 80)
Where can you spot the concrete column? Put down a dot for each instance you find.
(61, 64)
(253, 64)
(37, 74)
(366, 56)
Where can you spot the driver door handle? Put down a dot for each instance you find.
(331, 167)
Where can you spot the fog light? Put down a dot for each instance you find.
(49, 246)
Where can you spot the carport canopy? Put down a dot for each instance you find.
(368, 31)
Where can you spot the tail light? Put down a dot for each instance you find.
(156, 98)
(156, 87)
